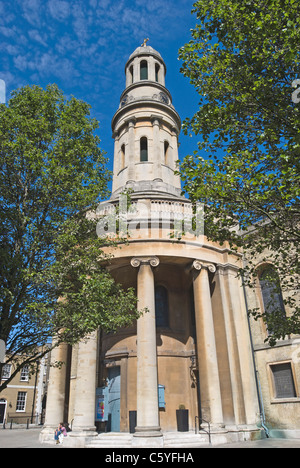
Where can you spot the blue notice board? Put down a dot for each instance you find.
(161, 396)
(101, 410)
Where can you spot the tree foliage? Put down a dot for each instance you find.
(243, 60)
(53, 281)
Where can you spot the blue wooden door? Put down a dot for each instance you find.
(114, 399)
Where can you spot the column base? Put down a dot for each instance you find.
(147, 437)
(80, 437)
(47, 434)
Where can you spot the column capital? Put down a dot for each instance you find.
(137, 261)
(131, 122)
(155, 119)
(200, 265)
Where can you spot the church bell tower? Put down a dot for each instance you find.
(145, 129)
(192, 347)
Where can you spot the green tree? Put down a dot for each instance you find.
(243, 59)
(53, 280)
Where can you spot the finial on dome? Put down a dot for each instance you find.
(145, 42)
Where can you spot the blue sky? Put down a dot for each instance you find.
(83, 45)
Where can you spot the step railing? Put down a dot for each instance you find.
(198, 427)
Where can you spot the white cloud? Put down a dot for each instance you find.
(36, 36)
(59, 9)
(10, 49)
(34, 12)
(20, 62)
(7, 32)
(80, 25)
(51, 65)
(5, 15)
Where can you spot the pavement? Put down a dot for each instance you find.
(23, 438)
(29, 438)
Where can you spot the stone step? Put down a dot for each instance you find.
(184, 439)
(111, 440)
(170, 440)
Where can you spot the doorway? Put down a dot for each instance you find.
(113, 424)
(2, 410)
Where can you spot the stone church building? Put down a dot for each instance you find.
(194, 350)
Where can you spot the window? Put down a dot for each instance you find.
(3, 403)
(166, 151)
(122, 156)
(161, 307)
(131, 74)
(144, 70)
(143, 149)
(283, 380)
(156, 71)
(21, 401)
(24, 374)
(6, 371)
(271, 296)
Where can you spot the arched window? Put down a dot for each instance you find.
(271, 296)
(122, 156)
(131, 74)
(166, 152)
(161, 307)
(143, 149)
(156, 72)
(144, 70)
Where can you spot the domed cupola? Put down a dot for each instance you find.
(145, 63)
(146, 128)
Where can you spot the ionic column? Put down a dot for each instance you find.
(239, 312)
(85, 392)
(206, 344)
(147, 391)
(233, 358)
